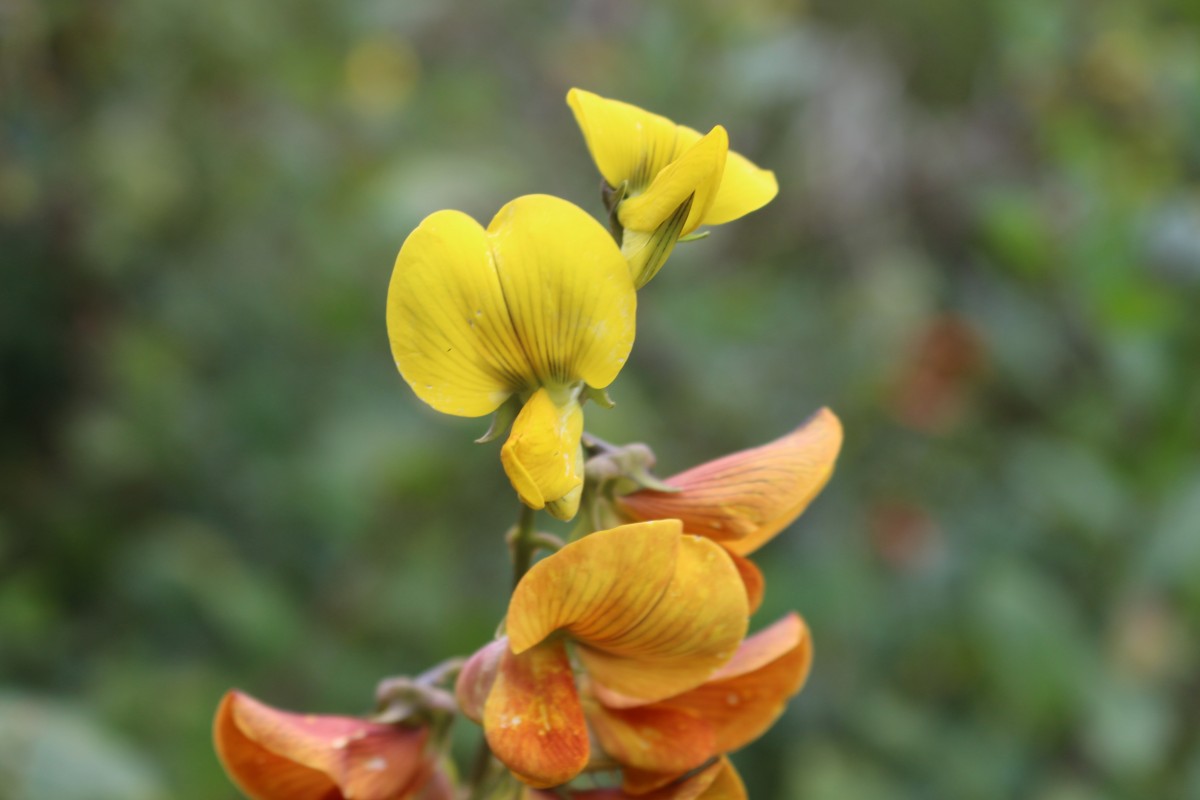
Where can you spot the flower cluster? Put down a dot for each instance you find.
(624, 653)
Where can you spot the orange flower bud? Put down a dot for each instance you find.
(276, 755)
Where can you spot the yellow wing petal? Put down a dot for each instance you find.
(744, 188)
(449, 326)
(542, 455)
(568, 290)
(695, 173)
(626, 142)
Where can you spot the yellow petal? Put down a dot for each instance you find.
(567, 288)
(654, 613)
(451, 333)
(695, 173)
(533, 718)
(742, 500)
(567, 506)
(744, 188)
(627, 143)
(542, 454)
(277, 755)
(743, 699)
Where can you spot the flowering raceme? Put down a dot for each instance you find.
(622, 668)
(537, 307)
(742, 500)
(664, 180)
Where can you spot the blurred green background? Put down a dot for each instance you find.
(985, 256)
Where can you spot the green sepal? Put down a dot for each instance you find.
(646, 253)
(598, 396)
(501, 420)
(695, 236)
(645, 480)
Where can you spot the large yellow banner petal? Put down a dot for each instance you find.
(567, 288)
(450, 330)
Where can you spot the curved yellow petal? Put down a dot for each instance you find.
(450, 330)
(695, 173)
(742, 500)
(744, 188)
(542, 454)
(743, 699)
(567, 288)
(627, 143)
(654, 613)
(533, 719)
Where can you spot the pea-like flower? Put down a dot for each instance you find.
(658, 742)
(276, 755)
(648, 612)
(742, 500)
(532, 310)
(664, 180)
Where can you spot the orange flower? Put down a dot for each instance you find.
(276, 755)
(658, 742)
(649, 613)
(743, 499)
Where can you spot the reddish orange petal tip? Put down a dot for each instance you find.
(743, 499)
(477, 677)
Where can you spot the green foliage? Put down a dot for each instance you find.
(985, 256)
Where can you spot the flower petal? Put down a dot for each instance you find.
(695, 173)
(273, 754)
(652, 738)
(567, 288)
(752, 579)
(654, 613)
(646, 252)
(717, 782)
(745, 498)
(744, 188)
(745, 697)
(533, 718)
(476, 678)
(542, 454)
(627, 143)
(450, 329)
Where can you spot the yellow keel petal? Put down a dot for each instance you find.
(542, 456)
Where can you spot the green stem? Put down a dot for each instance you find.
(524, 543)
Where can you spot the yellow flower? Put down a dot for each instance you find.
(665, 179)
(742, 500)
(650, 613)
(538, 306)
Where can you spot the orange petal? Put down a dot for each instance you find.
(533, 719)
(655, 613)
(272, 754)
(717, 782)
(652, 738)
(752, 579)
(477, 677)
(745, 498)
(745, 697)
